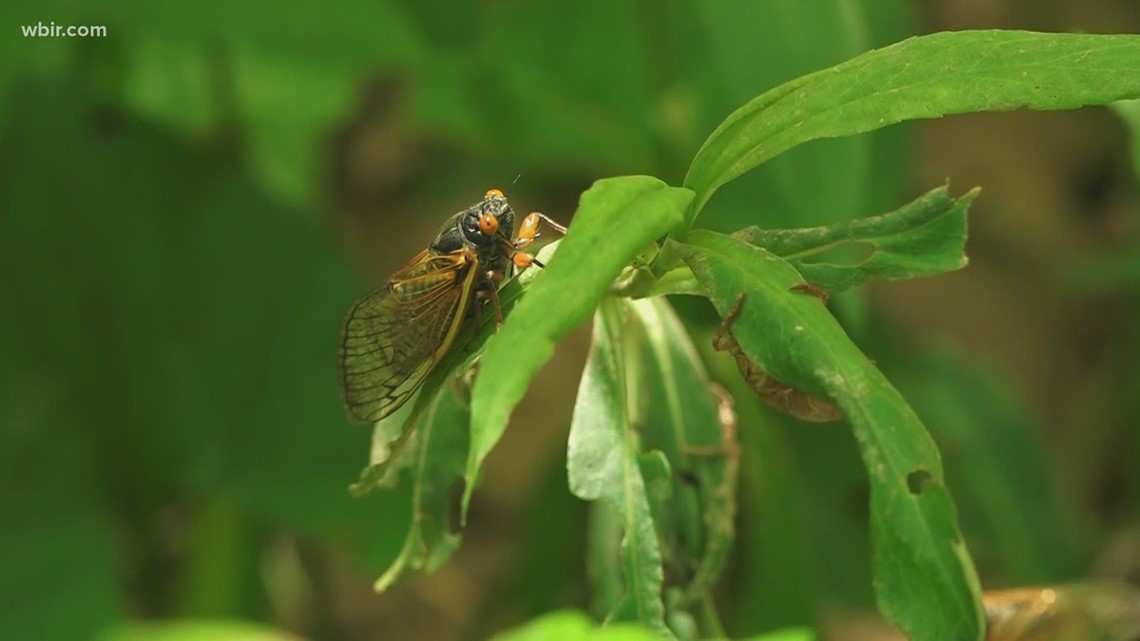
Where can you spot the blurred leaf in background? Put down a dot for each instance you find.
(170, 319)
(190, 630)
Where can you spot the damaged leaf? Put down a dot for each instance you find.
(923, 238)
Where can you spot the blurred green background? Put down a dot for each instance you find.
(189, 204)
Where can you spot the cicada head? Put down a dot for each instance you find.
(492, 220)
(483, 227)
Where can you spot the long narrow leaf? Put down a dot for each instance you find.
(602, 462)
(924, 579)
(682, 417)
(924, 77)
(922, 238)
(616, 219)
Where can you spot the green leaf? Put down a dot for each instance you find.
(923, 238)
(603, 558)
(924, 77)
(616, 219)
(1010, 503)
(197, 630)
(752, 45)
(681, 417)
(572, 625)
(925, 582)
(789, 634)
(440, 452)
(657, 476)
(602, 463)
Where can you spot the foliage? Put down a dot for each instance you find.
(577, 626)
(924, 578)
(176, 303)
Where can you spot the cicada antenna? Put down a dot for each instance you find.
(512, 185)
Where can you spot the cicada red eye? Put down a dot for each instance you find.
(489, 224)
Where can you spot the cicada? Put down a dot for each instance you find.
(395, 335)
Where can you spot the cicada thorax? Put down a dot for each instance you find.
(483, 233)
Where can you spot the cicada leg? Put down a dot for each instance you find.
(490, 290)
(493, 292)
(528, 232)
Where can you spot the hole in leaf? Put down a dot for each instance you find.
(917, 481)
(847, 254)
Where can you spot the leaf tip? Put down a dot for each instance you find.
(392, 573)
(465, 502)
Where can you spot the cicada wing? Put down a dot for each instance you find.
(393, 337)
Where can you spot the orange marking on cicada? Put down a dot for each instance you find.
(494, 193)
(528, 232)
(489, 224)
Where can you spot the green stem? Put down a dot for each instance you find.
(221, 566)
(710, 619)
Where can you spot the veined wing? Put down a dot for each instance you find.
(396, 334)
